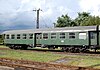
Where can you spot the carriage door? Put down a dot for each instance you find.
(93, 38)
(38, 39)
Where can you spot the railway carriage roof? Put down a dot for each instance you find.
(64, 29)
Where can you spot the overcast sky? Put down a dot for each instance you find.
(18, 14)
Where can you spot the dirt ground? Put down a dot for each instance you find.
(6, 68)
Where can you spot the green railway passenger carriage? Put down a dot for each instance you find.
(73, 39)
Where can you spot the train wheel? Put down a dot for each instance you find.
(24, 47)
(77, 50)
(15, 47)
(51, 48)
(72, 50)
(67, 50)
(84, 50)
(11, 46)
(63, 49)
(95, 50)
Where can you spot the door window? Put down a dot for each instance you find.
(92, 35)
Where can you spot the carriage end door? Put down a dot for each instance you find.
(93, 38)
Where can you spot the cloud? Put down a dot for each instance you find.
(20, 12)
(29, 5)
(92, 6)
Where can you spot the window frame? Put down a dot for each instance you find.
(30, 36)
(72, 35)
(82, 35)
(45, 36)
(24, 36)
(62, 35)
(18, 37)
(7, 36)
(53, 35)
(13, 36)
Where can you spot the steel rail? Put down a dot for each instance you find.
(31, 65)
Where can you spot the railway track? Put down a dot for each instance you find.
(30, 65)
(57, 52)
(92, 53)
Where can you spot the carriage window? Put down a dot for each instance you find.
(18, 36)
(53, 35)
(7, 36)
(82, 35)
(12, 36)
(71, 35)
(30, 36)
(62, 35)
(45, 36)
(24, 36)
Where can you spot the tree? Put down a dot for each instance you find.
(92, 20)
(82, 17)
(64, 21)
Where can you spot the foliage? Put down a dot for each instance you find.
(83, 19)
(92, 20)
(1, 39)
(64, 21)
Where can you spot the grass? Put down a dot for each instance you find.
(74, 60)
(2, 46)
(34, 56)
(84, 61)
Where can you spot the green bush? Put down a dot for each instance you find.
(1, 39)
